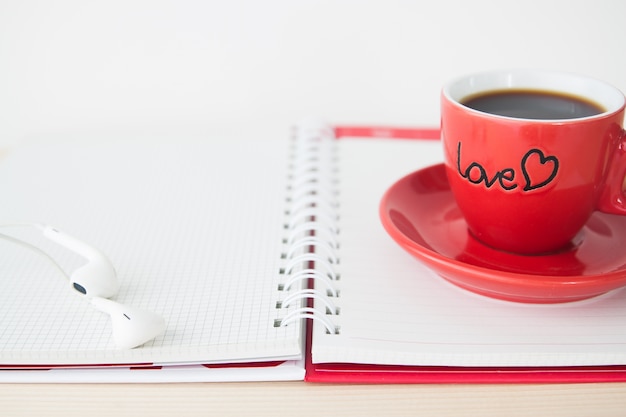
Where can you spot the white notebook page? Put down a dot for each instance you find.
(394, 310)
(193, 228)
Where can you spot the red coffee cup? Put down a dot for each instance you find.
(525, 179)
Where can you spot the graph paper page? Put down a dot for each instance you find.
(193, 228)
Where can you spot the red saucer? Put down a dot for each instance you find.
(420, 214)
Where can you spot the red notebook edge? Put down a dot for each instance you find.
(378, 374)
(387, 132)
(350, 373)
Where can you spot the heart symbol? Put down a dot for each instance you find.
(537, 173)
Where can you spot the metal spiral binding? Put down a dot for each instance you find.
(311, 233)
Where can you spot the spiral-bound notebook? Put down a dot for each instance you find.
(240, 245)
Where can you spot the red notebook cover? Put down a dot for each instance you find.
(385, 374)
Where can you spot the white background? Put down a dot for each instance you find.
(191, 67)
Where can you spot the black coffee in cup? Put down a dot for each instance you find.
(532, 104)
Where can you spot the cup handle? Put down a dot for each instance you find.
(613, 197)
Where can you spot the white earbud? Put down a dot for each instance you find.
(97, 278)
(131, 326)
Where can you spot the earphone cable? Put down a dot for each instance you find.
(31, 246)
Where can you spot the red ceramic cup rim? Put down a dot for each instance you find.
(600, 92)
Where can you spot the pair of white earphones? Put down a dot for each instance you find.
(97, 281)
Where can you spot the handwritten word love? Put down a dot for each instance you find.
(537, 169)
